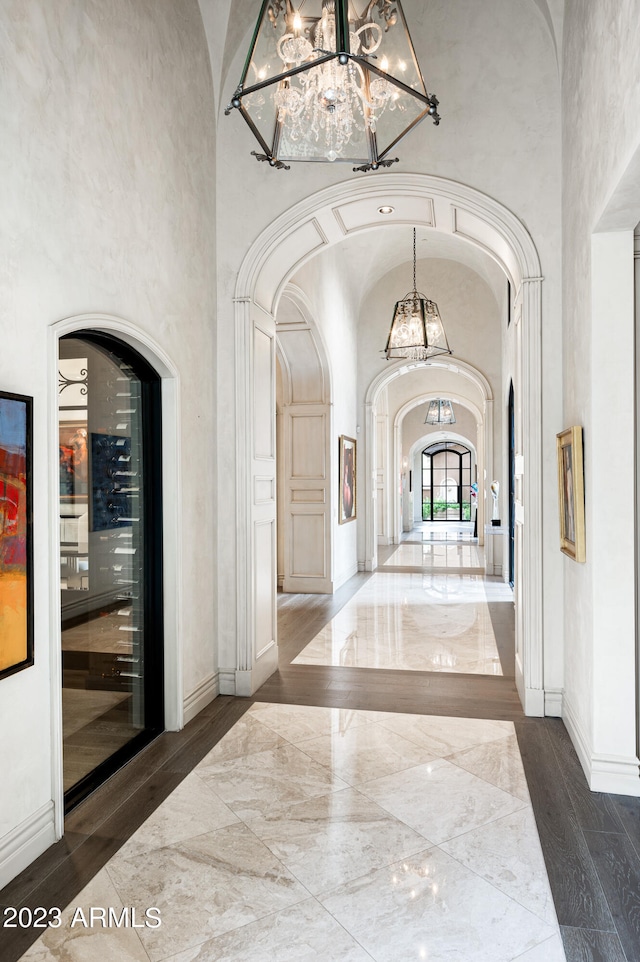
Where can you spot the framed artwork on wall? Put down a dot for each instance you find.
(571, 493)
(347, 480)
(16, 548)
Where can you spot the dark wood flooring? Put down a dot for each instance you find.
(591, 841)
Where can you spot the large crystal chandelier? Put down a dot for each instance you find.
(417, 331)
(323, 82)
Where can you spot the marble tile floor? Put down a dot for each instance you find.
(416, 622)
(336, 835)
(437, 554)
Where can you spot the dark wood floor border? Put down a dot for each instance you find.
(100, 825)
(591, 844)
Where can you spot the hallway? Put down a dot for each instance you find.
(305, 825)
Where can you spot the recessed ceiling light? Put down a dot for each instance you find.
(386, 210)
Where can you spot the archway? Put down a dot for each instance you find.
(290, 241)
(176, 710)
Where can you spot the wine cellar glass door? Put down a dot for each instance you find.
(111, 557)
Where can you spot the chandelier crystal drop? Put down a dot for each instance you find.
(325, 82)
(417, 331)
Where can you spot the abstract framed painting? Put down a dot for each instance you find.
(16, 543)
(347, 476)
(571, 493)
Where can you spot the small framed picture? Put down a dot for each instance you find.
(347, 479)
(571, 493)
(16, 547)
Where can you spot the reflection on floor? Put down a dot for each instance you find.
(336, 836)
(96, 700)
(437, 544)
(415, 622)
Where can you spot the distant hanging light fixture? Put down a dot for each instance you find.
(440, 411)
(417, 331)
(323, 82)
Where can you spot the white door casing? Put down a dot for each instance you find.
(324, 219)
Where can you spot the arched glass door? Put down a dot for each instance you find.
(446, 482)
(111, 557)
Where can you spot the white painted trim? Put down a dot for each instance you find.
(227, 681)
(470, 212)
(577, 736)
(201, 696)
(344, 576)
(615, 774)
(484, 422)
(533, 702)
(26, 842)
(553, 699)
(171, 503)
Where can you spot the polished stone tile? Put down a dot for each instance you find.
(247, 736)
(204, 887)
(329, 840)
(76, 942)
(266, 782)
(295, 723)
(365, 752)
(496, 762)
(507, 853)
(431, 907)
(438, 554)
(444, 735)
(407, 621)
(440, 800)
(191, 809)
(304, 933)
(550, 951)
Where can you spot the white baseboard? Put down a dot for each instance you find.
(614, 774)
(361, 566)
(227, 681)
(534, 702)
(553, 702)
(201, 696)
(344, 576)
(577, 736)
(23, 844)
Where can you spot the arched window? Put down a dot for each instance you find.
(446, 482)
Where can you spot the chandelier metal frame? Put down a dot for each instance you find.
(417, 331)
(362, 62)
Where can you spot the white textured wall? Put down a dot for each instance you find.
(106, 192)
(601, 103)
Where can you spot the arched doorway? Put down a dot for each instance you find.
(111, 569)
(283, 247)
(446, 482)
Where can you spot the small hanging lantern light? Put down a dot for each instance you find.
(440, 411)
(417, 331)
(323, 82)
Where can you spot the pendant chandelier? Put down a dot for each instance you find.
(417, 331)
(440, 411)
(324, 82)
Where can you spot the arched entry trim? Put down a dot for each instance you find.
(326, 218)
(172, 577)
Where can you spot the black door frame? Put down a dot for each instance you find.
(153, 682)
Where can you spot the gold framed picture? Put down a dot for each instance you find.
(347, 479)
(571, 493)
